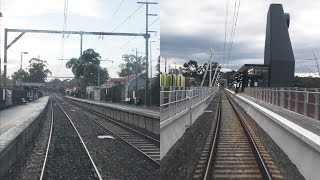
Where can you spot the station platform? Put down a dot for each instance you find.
(14, 120)
(129, 107)
(301, 124)
(305, 122)
(17, 127)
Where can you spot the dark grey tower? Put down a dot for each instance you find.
(278, 52)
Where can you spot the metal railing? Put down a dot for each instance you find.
(173, 102)
(300, 100)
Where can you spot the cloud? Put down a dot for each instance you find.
(188, 29)
(39, 7)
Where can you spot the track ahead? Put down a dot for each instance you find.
(67, 156)
(143, 143)
(232, 150)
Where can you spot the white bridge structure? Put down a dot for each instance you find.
(178, 110)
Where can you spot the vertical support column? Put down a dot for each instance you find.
(190, 98)
(147, 58)
(296, 100)
(5, 57)
(282, 97)
(161, 99)
(289, 100)
(272, 94)
(170, 100)
(317, 105)
(305, 103)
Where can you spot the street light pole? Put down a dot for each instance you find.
(20, 73)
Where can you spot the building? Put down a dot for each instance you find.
(119, 89)
(279, 61)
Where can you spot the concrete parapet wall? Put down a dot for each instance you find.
(173, 128)
(12, 145)
(300, 145)
(148, 122)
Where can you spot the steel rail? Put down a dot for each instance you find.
(215, 141)
(130, 129)
(82, 142)
(110, 119)
(260, 161)
(49, 141)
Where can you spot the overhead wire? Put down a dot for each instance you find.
(64, 27)
(234, 25)
(110, 18)
(225, 32)
(128, 17)
(132, 38)
(102, 37)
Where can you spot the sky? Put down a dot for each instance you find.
(82, 15)
(189, 28)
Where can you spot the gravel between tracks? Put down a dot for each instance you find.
(285, 166)
(182, 159)
(29, 163)
(67, 158)
(114, 158)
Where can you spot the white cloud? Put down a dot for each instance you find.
(38, 7)
(206, 19)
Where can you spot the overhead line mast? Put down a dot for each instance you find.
(147, 49)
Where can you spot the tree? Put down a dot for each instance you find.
(190, 69)
(86, 68)
(38, 72)
(24, 75)
(132, 65)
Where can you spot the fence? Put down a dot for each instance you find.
(173, 102)
(300, 100)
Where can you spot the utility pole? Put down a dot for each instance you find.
(0, 53)
(316, 59)
(165, 64)
(147, 48)
(151, 73)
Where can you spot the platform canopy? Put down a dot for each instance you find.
(33, 84)
(255, 69)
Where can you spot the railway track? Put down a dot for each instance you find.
(145, 144)
(67, 157)
(232, 150)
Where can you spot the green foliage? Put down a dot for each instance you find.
(37, 71)
(192, 69)
(86, 68)
(307, 82)
(24, 75)
(57, 83)
(132, 65)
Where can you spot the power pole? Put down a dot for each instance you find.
(147, 48)
(136, 67)
(316, 59)
(151, 73)
(165, 64)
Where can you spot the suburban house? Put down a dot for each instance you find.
(119, 89)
